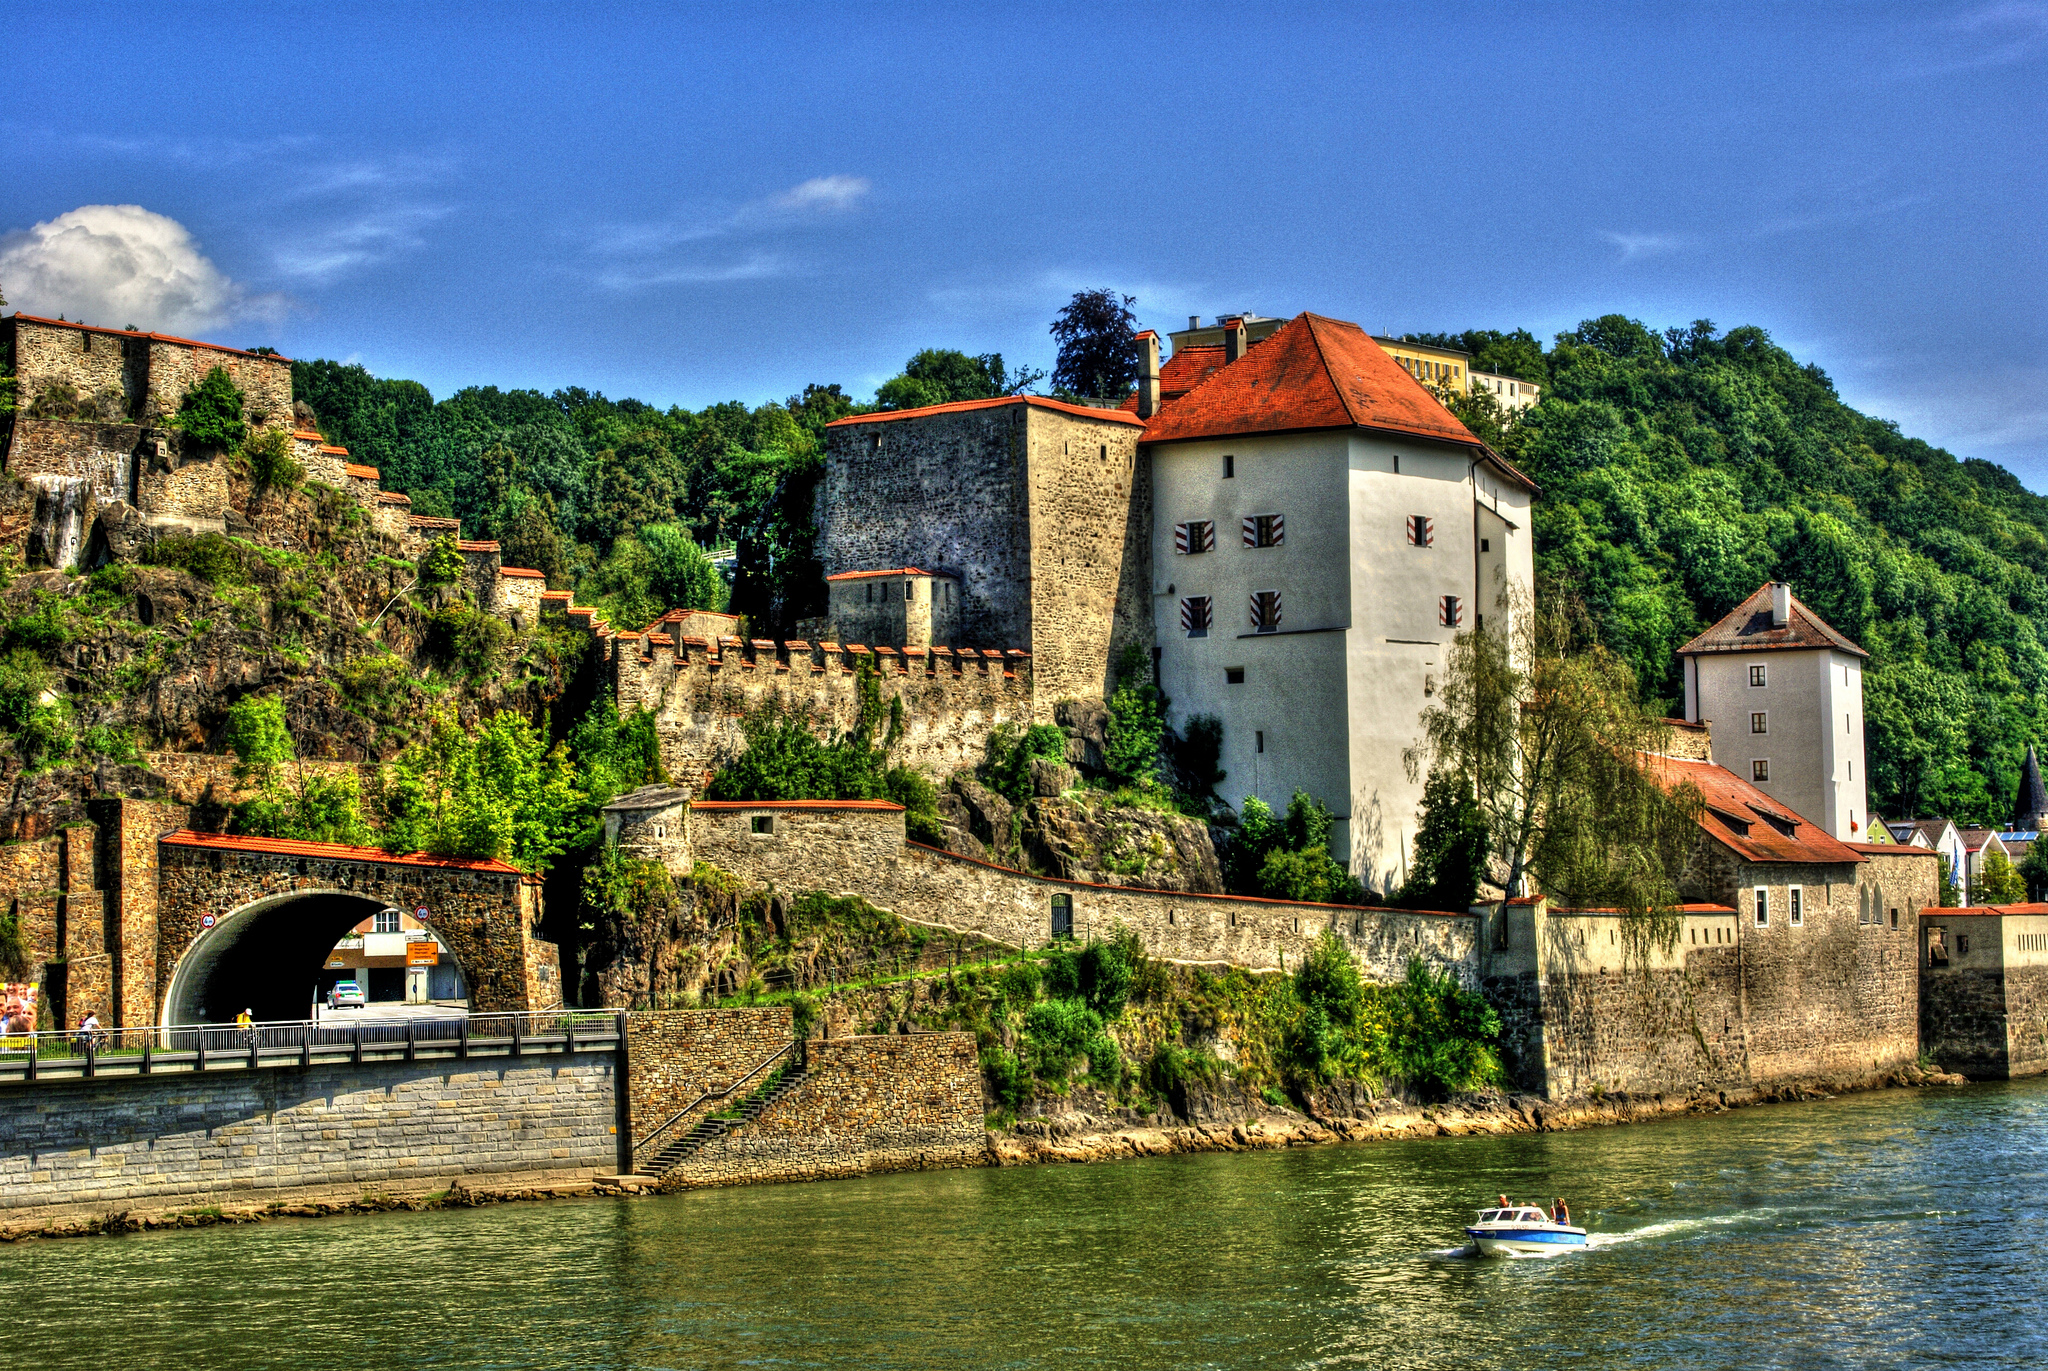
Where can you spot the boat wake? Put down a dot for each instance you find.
(1670, 1228)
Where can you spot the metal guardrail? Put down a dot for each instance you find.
(709, 1095)
(81, 1054)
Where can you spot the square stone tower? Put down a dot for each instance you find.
(1035, 514)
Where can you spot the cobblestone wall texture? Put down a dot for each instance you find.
(908, 1103)
(864, 853)
(205, 1139)
(102, 453)
(1045, 516)
(676, 1056)
(699, 690)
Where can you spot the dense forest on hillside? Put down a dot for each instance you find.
(1681, 469)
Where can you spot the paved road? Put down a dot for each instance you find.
(384, 1011)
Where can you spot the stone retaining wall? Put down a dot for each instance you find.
(909, 1103)
(698, 690)
(119, 1143)
(864, 853)
(675, 1056)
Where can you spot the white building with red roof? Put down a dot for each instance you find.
(1784, 692)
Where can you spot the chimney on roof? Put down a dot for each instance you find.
(1194, 322)
(1781, 604)
(1148, 374)
(1233, 340)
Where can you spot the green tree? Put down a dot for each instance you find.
(2033, 870)
(1999, 882)
(1451, 847)
(1546, 727)
(1137, 724)
(210, 414)
(315, 808)
(939, 376)
(494, 790)
(1442, 1038)
(1098, 351)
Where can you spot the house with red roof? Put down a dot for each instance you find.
(1322, 528)
(1784, 691)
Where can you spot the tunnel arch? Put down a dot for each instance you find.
(265, 956)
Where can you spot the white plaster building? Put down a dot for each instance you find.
(1322, 528)
(1784, 692)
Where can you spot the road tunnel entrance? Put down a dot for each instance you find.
(269, 957)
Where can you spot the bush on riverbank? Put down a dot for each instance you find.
(1146, 1034)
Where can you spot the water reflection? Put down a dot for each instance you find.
(1876, 1230)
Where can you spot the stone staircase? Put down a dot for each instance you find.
(678, 1150)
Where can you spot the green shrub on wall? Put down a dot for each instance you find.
(210, 415)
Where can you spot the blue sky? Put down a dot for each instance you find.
(688, 206)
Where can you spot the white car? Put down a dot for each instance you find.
(346, 995)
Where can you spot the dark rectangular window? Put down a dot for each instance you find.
(1757, 722)
(1895, 918)
(1195, 536)
(909, 591)
(1798, 906)
(762, 823)
(1264, 530)
(1259, 740)
(1265, 607)
(1229, 466)
(1759, 770)
(1763, 907)
(1450, 612)
(1486, 544)
(1196, 615)
(1233, 675)
(1063, 916)
(1756, 675)
(1421, 531)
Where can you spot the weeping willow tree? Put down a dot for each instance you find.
(1545, 725)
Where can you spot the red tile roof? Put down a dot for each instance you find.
(1313, 373)
(360, 472)
(1748, 822)
(433, 521)
(333, 451)
(1892, 850)
(522, 571)
(2035, 908)
(891, 571)
(879, 805)
(475, 547)
(1111, 416)
(223, 842)
(1747, 628)
(1701, 907)
(153, 337)
(1182, 372)
(307, 436)
(554, 595)
(392, 497)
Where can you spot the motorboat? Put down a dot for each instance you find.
(1523, 1230)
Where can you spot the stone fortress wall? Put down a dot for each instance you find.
(860, 848)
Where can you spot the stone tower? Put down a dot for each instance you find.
(2030, 806)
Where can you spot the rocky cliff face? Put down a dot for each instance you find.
(1079, 835)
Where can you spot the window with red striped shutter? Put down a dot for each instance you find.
(1450, 612)
(1265, 608)
(1421, 531)
(1264, 530)
(1195, 616)
(1196, 535)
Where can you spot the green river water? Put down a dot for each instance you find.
(1896, 1229)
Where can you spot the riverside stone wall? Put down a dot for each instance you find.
(699, 689)
(675, 1056)
(818, 846)
(1984, 1006)
(907, 1103)
(156, 1142)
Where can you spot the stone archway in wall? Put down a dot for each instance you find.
(265, 956)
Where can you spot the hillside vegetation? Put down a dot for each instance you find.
(1681, 469)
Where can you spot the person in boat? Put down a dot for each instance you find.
(1560, 1212)
(1502, 1203)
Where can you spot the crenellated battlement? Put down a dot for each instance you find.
(700, 687)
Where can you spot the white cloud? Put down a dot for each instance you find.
(757, 266)
(118, 265)
(1638, 245)
(822, 193)
(365, 240)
